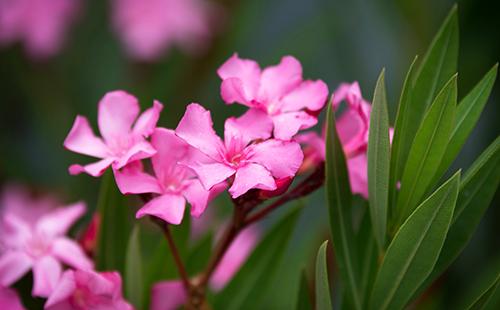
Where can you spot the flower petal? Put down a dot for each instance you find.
(70, 253)
(139, 150)
(277, 81)
(358, 174)
(167, 207)
(282, 158)
(286, 125)
(352, 127)
(63, 290)
(209, 172)
(117, 112)
(13, 265)
(254, 124)
(146, 122)
(95, 169)
(132, 180)
(60, 220)
(170, 150)
(81, 139)
(240, 80)
(198, 197)
(9, 299)
(46, 273)
(309, 95)
(251, 176)
(196, 128)
(168, 295)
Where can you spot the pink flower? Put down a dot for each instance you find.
(122, 143)
(170, 295)
(352, 127)
(9, 299)
(234, 258)
(86, 289)
(39, 244)
(277, 90)
(253, 164)
(40, 24)
(149, 27)
(174, 183)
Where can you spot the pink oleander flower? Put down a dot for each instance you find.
(149, 27)
(352, 127)
(122, 143)
(86, 290)
(170, 295)
(291, 102)
(9, 299)
(173, 183)
(32, 238)
(89, 237)
(245, 153)
(40, 25)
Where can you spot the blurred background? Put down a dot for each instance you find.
(41, 91)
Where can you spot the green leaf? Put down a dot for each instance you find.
(378, 162)
(483, 300)
(367, 250)
(402, 139)
(468, 112)
(247, 288)
(114, 228)
(339, 205)
(323, 299)
(304, 297)
(477, 190)
(427, 150)
(133, 270)
(414, 250)
(437, 67)
(198, 257)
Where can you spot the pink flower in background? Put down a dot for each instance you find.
(9, 300)
(40, 25)
(352, 127)
(170, 295)
(86, 289)
(253, 164)
(122, 143)
(149, 27)
(38, 243)
(234, 257)
(174, 183)
(279, 90)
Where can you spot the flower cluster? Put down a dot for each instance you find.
(33, 237)
(147, 27)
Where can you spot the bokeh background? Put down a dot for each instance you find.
(335, 41)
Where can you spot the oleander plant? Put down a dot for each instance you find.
(210, 213)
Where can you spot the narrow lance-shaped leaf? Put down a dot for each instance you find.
(114, 227)
(367, 251)
(468, 113)
(483, 300)
(477, 190)
(304, 297)
(414, 250)
(323, 299)
(402, 139)
(134, 284)
(378, 162)
(253, 279)
(427, 150)
(339, 206)
(437, 67)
